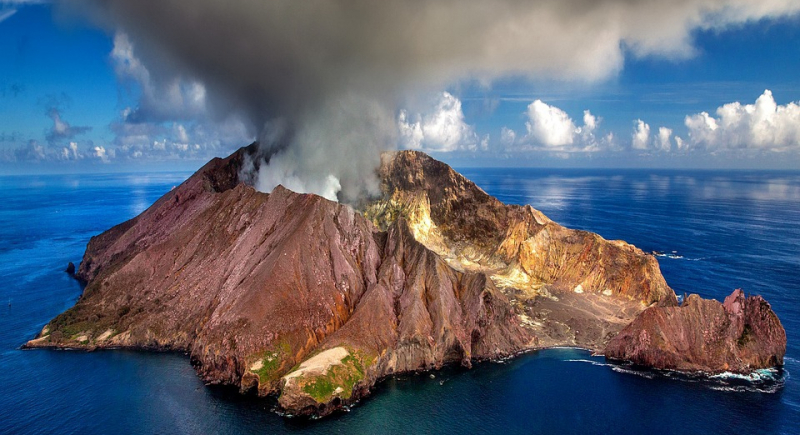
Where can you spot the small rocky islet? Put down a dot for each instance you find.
(316, 301)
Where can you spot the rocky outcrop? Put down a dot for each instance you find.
(738, 335)
(518, 245)
(569, 287)
(292, 294)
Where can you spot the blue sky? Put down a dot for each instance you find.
(71, 92)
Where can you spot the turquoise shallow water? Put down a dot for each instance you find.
(717, 231)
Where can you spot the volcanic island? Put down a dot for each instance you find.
(315, 301)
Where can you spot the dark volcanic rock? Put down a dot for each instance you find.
(70, 269)
(739, 335)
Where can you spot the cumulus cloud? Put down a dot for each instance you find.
(35, 152)
(680, 144)
(70, 152)
(660, 141)
(295, 63)
(764, 126)
(551, 129)
(507, 137)
(664, 139)
(100, 153)
(550, 125)
(442, 129)
(641, 135)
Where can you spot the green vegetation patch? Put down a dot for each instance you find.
(271, 362)
(77, 321)
(345, 376)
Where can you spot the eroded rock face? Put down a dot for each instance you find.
(296, 295)
(739, 335)
(569, 287)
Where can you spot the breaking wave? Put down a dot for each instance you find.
(674, 255)
(594, 363)
(760, 381)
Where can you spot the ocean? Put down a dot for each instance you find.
(714, 232)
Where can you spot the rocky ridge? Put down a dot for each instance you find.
(739, 335)
(292, 294)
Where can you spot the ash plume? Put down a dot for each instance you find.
(333, 73)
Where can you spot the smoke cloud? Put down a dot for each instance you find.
(320, 81)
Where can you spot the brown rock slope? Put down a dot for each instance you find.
(297, 295)
(254, 284)
(738, 335)
(570, 287)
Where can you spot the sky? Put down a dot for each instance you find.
(103, 86)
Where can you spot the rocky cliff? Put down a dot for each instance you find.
(299, 296)
(739, 335)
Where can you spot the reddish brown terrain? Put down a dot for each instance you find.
(738, 335)
(310, 299)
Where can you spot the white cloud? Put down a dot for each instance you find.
(507, 136)
(71, 152)
(411, 135)
(551, 129)
(764, 126)
(664, 135)
(34, 152)
(442, 129)
(549, 125)
(641, 135)
(99, 153)
(681, 144)
(589, 121)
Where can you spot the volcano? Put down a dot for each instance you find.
(315, 301)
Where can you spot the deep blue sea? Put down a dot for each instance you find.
(717, 231)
